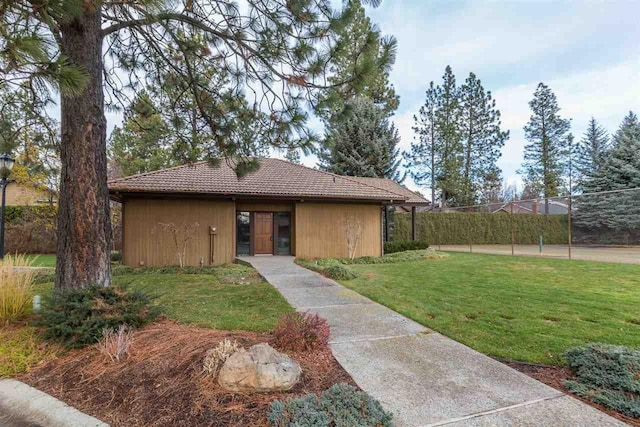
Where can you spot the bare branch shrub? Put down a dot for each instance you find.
(115, 343)
(352, 231)
(182, 236)
(216, 356)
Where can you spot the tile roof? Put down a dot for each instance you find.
(275, 178)
(390, 185)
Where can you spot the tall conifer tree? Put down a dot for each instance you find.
(482, 141)
(543, 156)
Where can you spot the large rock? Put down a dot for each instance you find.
(260, 369)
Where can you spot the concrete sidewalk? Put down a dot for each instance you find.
(424, 378)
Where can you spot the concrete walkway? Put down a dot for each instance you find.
(424, 378)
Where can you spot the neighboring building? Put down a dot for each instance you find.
(556, 207)
(282, 208)
(21, 195)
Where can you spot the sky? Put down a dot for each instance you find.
(588, 52)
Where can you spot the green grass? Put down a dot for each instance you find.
(43, 260)
(526, 309)
(21, 348)
(230, 297)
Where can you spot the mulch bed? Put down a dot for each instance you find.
(162, 383)
(554, 376)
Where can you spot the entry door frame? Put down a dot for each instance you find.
(253, 233)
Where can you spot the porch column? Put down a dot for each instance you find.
(413, 223)
(386, 224)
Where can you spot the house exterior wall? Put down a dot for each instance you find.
(145, 242)
(320, 229)
(317, 229)
(20, 195)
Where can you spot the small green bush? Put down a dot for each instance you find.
(342, 405)
(404, 245)
(608, 375)
(116, 256)
(339, 272)
(78, 317)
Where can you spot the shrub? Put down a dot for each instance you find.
(116, 256)
(216, 356)
(301, 332)
(339, 272)
(115, 343)
(342, 405)
(15, 287)
(404, 245)
(482, 228)
(607, 374)
(78, 317)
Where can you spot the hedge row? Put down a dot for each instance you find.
(482, 228)
(21, 214)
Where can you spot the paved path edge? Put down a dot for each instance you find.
(30, 404)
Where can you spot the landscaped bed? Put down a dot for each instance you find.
(162, 382)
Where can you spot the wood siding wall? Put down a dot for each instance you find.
(146, 242)
(320, 229)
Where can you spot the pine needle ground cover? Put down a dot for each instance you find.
(525, 309)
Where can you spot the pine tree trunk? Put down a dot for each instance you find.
(84, 230)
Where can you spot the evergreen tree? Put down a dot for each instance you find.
(424, 160)
(142, 144)
(447, 121)
(361, 47)
(292, 156)
(546, 133)
(482, 140)
(362, 142)
(622, 172)
(277, 53)
(591, 153)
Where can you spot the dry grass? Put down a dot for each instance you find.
(15, 287)
(216, 356)
(115, 343)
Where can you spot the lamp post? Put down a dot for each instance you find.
(6, 164)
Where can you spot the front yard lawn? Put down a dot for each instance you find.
(525, 309)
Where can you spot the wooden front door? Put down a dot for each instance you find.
(263, 233)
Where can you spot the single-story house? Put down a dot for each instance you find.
(282, 208)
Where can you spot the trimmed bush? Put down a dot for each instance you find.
(339, 272)
(342, 405)
(608, 375)
(78, 317)
(301, 332)
(482, 228)
(116, 256)
(404, 245)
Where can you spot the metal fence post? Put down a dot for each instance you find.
(569, 224)
(513, 232)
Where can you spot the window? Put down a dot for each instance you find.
(243, 233)
(283, 233)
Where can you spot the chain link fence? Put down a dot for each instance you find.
(595, 226)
